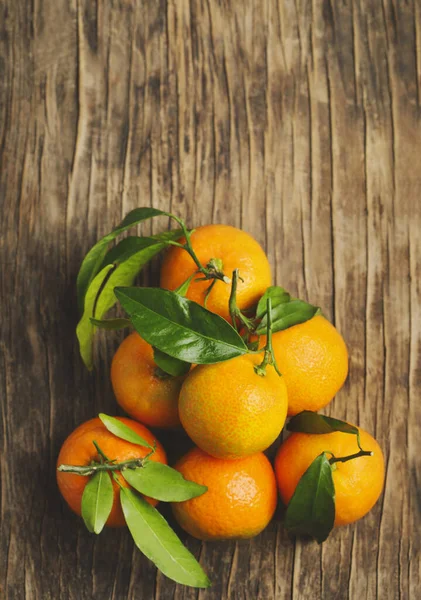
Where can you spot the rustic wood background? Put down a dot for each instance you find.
(298, 121)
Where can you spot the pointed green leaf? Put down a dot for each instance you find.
(97, 501)
(111, 324)
(277, 295)
(100, 294)
(127, 247)
(131, 245)
(184, 287)
(158, 542)
(311, 510)
(85, 330)
(122, 431)
(179, 327)
(169, 364)
(308, 421)
(94, 258)
(161, 482)
(288, 314)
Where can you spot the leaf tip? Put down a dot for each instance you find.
(97, 530)
(200, 490)
(89, 527)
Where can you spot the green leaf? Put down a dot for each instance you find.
(134, 244)
(311, 510)
(126, 248)
(97, 501)
(158, 542)
(288, 314)
(111, 324)
(161, 482)
(94, 258)
(277, 295)
(169, 364)
(184, 287)
(85, 330)
(179, 327)
(311, 422)
(122, 431)
(100, 294)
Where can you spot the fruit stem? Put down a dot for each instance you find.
(95, 467)
(208, 291)
(343, 459)
(211, 271)
(234, 311)
(103, 456)
(269, 355)
(109, 465)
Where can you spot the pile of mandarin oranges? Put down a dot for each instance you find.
(233, 410)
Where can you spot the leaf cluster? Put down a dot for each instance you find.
(286, 310)
(150, 531)
(182, 332)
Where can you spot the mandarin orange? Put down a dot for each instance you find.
(313, 360)
(358, 482)
(240, 500)
(141, 389)
(229, 411)
(79, 450)
(235, 249)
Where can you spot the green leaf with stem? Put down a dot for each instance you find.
(170, 365)
(311, 510)
(158, 542)
(179, 327)
(131, 245)
(111, 324)
(91, 264)
(123, 431)
(269, 354)
(100, 294)
(97, 501)
(288, 314)
(277, 295)
(235, 312)
(308, 421)
(161, 482)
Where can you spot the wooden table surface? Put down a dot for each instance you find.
(299, 122)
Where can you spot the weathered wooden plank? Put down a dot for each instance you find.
(298, 121)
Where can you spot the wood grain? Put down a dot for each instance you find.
(298, 121)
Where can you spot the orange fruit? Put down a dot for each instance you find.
(236, 249)
(358, 482)
(313, 360)
(229, 411)
(240, 500)
(141, 389)
(79, 450)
